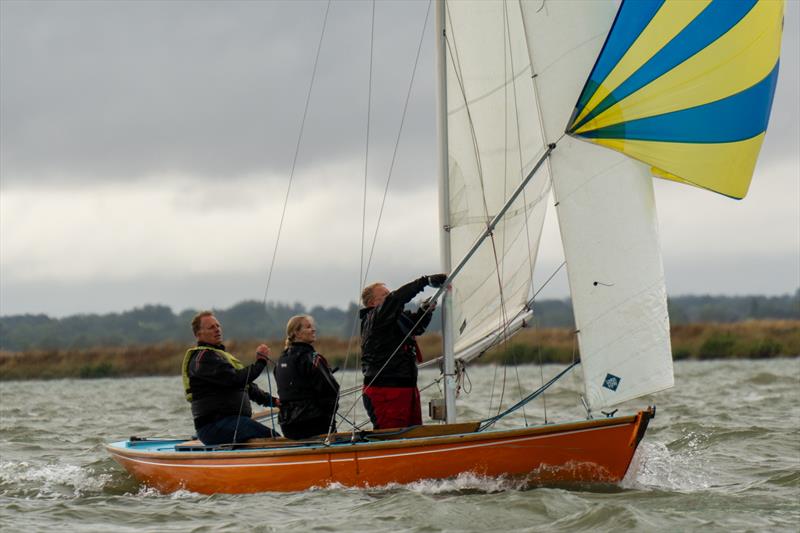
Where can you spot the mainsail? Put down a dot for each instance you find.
(494, 140)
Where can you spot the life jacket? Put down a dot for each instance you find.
(235, 363)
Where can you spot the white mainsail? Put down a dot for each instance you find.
(606, 212)
(494, 140)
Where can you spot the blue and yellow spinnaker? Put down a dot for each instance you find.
(686, 86)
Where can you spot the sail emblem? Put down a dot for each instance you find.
(611, 382)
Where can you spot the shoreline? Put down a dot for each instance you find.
(753, 339)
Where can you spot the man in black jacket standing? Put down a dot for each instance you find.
(389, 351)
(220, 387)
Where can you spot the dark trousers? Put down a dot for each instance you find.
(222, 431)
(393, 407)
(308, 428)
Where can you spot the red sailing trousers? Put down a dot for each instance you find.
(393, 407)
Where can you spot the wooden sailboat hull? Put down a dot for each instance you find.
(592, 451)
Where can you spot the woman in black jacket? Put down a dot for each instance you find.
(307, 389)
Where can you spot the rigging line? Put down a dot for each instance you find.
(492, 91)
(518, 314)
(296, 151)
(541, 372)
(534, 82)
(494, 383)
(503, 312)
(366, 148)
(574, 377)
(389, 176)
(361, 273)
(530, 302)
(500, 265)
(491, 421)
(519, 153)
(399, 134)
(507, 45)
(394, 158)
(245, 396)
(269, 385)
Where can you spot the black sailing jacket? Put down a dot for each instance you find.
(383, 329)
(219, 390)
(306, 386)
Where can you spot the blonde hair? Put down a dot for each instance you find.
(366, 294)
(198, 318)
(293, 326)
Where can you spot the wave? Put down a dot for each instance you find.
(52, 480)
(655, 467)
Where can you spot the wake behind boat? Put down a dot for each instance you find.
(531, 95)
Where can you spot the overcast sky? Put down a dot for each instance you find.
(146, 147)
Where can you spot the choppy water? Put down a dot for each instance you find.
(722, 454)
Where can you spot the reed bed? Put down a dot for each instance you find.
(753, 339)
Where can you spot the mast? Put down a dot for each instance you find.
(444, 213)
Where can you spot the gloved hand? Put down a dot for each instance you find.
(436, 280)
(428, 304)
(262, 352)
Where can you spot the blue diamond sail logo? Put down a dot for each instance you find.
(611, 382)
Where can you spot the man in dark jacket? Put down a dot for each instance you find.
(220, 387)
(389, 351)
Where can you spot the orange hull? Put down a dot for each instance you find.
(595, 451)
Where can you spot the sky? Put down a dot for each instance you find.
(146, 149)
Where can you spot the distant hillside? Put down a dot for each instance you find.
(247, 320)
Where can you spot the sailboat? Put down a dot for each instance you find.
(584, 101)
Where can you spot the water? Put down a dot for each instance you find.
(722, 454)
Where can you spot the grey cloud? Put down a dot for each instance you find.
(122, 90)
(783, 135)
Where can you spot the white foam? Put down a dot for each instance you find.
(180, 494)
(51, 479)
(655, 467)
(466, 481)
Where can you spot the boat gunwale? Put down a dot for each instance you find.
(317, 448)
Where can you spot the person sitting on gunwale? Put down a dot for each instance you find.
(309, 393)
(220, 387)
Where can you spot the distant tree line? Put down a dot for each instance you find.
(247, 320)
